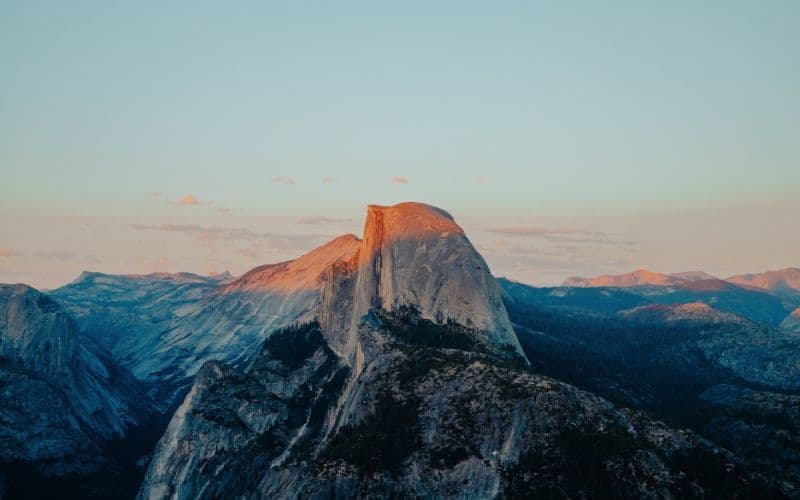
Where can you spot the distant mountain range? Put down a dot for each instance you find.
(783, 279)
(784, 284)
(395, 364)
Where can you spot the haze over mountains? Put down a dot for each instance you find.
(396, 364)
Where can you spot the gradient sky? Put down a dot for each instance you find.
(565, 137)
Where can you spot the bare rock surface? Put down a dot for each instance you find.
(58, 397)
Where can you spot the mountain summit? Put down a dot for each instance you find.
(411, 382)
(415, 255)
(641, 277)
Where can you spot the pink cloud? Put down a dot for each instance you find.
(188, 200)
(399, 180)
(7, 252)
(155, 194)
(330, 180)
(286, 181)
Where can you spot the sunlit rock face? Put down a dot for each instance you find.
(233, 320)
(416, 255)
(163, 327)
(58, 398)
(788, 278)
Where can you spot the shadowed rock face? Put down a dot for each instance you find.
(164, 326)
(58, 398)
(424, 420)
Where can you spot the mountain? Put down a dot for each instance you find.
(416, 255)
(692, 311)
(788, 278)
(410, 381)
(693, 276)
(752, 304)
(641, 277)
(123, 313)
(792, 322)
(162, 327)
(784, 283)
(684, 362)
(61, 401)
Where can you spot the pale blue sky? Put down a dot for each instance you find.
(545, 113)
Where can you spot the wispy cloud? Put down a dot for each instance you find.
(156, 194)
(480, 179)
(223, 210)
(537, 231)
(218, 231)
(321, 221)
(399, 180)
(330, 180)
(209, 236)
(560, 235)
(286, 181)
(188, 200)
(69, 257)
(7, 252)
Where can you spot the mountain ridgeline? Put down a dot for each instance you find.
(396, 365)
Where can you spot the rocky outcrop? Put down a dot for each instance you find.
(416, 255)
(163, 327)
(59, 398)
(426, 420)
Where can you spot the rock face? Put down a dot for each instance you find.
(58, 397)
(231, 322)
(126, 314)
(410, 382)
(415, 255)
(162, 327)
(425, 421)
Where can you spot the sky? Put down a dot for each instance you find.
(567, 138)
